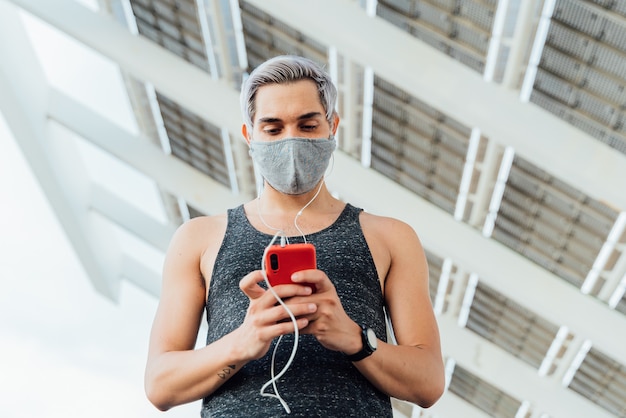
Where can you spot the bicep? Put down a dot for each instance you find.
(407, 292)
(181, 303)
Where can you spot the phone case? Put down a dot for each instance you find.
(282, 262)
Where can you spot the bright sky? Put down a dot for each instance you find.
(66, 351)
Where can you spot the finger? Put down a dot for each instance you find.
(283, 328)
(249, 285)
(299, 310)
(275, 321)
(300, 313)
(290, 290)
(316, 277)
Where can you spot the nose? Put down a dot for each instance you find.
(290, 131)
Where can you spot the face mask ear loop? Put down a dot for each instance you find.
(331, 166)
(295, 220)
(296, 333)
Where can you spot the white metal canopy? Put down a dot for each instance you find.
(48, 124)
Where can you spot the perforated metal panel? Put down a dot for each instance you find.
(174, 25)
(483, 395)
(581, 76)
(267, 37)
(194, 140)
(460, 29)
(420, 148)
(551, 222)
(510, 326)
(603, 381)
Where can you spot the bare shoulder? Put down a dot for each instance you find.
(394, 245)
(406, 277)
(201, 225)
(386, 228)
(197, 233)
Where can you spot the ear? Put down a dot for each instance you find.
(335, 123)
(244, 132)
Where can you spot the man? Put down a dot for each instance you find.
(343, 365)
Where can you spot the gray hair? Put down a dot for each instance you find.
(285, 69)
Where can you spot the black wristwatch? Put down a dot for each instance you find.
(370, 343)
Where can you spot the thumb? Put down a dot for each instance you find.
(249, 285)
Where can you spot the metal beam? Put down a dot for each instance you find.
(558, 147)
(170, 173)
(129, 217)
(177, 79)
(140, 275)
(522, 37)
(563, 150)
(52, 158)
(511, 375)
(143, 59)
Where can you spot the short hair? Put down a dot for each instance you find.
(285, 69)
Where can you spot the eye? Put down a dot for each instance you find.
(272, 130)
(308, 127)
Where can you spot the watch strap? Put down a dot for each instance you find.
(366, 349)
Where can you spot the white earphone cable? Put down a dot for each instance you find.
(296, 333)
(295, 220)
(274, 378)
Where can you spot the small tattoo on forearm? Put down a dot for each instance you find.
(226, 371)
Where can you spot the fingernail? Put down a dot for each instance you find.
(312, 307)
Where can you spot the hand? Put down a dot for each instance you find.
(330, 323)
(265, 319)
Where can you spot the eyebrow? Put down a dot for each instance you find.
(305, 116)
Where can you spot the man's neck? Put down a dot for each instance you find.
(277, 203)
(313, 211)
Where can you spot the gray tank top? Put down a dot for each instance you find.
(320, 382)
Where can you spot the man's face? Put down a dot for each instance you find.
(289, 110)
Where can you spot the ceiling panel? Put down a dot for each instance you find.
(483, 395)
(459, 29)
(174, 25)
(195, 140)
(266, 37)
(510, 326)
(603, 381)
(581, 76)
(417, 146)
(551, 222)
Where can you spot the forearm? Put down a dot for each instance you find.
(409, 373)
(178, 377)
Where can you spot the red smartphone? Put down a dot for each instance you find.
(281, 262)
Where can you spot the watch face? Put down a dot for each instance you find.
(371, 338)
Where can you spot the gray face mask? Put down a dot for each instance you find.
(292, 165)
